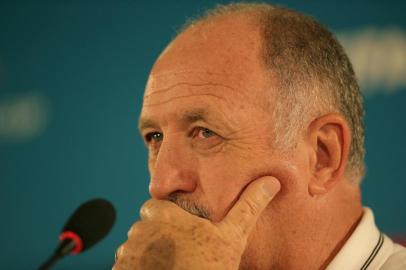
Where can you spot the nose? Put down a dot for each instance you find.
(173, 170)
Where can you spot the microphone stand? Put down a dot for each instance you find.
(65, 247)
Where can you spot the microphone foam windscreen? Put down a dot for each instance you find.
(92, 221)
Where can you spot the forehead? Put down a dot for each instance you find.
(196, 95)
(195, 82)
(217, 60)
(228, 48)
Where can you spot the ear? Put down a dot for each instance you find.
(329, 138)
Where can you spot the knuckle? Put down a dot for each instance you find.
(130, 231)
(156, 209)
(146, 209)
(238, 230)
(136, 228)
(119, 252)
(148, 204)
(232, 228)
(252, 208)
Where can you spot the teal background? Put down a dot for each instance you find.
(90, 60)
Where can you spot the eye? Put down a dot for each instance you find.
(202, 133)
(205, 133)
(204, 138)
(154, 137)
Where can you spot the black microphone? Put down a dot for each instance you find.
(88, 225)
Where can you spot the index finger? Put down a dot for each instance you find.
(246, 211)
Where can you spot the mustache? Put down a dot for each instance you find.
(193, 207)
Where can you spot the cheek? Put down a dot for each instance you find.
(293, 172)
(223, 178)
(221, 182)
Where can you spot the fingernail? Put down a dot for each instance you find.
(271, 187)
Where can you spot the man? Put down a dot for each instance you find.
(253, 121)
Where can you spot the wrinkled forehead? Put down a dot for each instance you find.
(201, 95)
(233, 89)
(189, 79)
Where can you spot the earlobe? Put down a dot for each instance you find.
(316, 189)
(329, 137)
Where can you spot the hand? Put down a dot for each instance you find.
(168, 237)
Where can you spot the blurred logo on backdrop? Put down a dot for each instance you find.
(379, 58)
(23, 117)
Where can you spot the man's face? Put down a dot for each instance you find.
(208, 126)
(207, 139)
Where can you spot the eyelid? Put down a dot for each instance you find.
(147, 135)
(197, 129)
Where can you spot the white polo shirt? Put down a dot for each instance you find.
(368, 248)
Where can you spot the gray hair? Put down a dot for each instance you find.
(313, 74)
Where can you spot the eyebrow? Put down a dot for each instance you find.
(195, 115)
(145, 123)
(187, 117)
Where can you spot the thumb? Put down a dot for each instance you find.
(246, 211)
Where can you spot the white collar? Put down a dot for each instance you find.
(367, 247)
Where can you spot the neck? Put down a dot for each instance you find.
(306, 233)
(333, 220)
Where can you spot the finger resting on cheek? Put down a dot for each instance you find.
(271, 186)
(252, 202)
